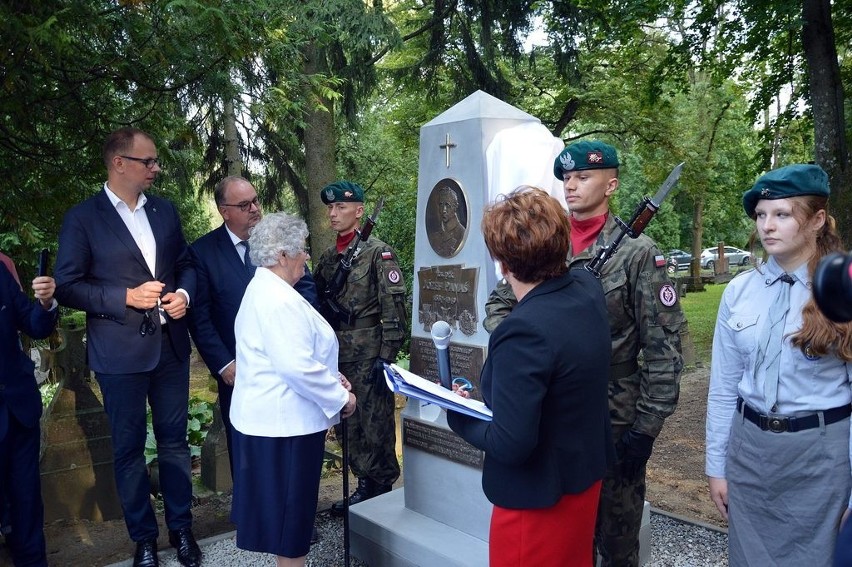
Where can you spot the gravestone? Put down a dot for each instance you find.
(475, 150)
(77, 480)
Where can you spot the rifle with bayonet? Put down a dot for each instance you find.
(337, 313)
(645, 211)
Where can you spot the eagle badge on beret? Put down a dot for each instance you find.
(329, 194)
(594, 157)
(567, 161)
(764, 192)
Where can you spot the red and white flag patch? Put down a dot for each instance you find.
(659, 260)
(387, 255)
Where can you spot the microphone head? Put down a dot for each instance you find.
(441, 333)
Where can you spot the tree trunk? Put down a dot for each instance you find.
(233, 161)
(826, 89)
(320, 144)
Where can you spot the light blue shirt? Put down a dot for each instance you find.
(806, 383)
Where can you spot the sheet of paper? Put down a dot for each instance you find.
(409, 384)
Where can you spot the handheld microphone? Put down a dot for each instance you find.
(441, 333)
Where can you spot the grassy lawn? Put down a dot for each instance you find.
(700, 309)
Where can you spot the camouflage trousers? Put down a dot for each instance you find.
(371, 429)
(619, 514)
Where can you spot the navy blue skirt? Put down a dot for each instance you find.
(276, 486)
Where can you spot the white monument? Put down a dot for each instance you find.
(441, 516)
(476, 150)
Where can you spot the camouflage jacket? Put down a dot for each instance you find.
(375, 294)
(645, 319)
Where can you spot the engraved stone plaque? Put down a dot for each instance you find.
(447, 217)
(448, 293)
(465, 361)
(441, 442)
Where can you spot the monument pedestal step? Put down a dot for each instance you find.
(384, 533)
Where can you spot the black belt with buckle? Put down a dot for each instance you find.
(780, 423)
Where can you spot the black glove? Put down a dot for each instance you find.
(379, 372)
(635, 451)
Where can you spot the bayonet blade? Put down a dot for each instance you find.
(379, 204)
(667, 185)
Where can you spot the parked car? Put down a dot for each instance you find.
(735, 256)
(678, 260)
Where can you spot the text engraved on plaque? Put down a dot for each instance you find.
(440, 442)
(448, 293)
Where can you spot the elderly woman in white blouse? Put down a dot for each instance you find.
(287, 393)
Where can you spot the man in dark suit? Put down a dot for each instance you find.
(123, 259)
(20, 410)
(223, 272)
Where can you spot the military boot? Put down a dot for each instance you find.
(367, 488)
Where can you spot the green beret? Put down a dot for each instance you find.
(790, 181)
(591, 154)
(342, 192)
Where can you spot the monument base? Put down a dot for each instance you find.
(384, 533)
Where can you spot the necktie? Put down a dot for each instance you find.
(246, 258)
(771, 340)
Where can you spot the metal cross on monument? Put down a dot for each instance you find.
(447, 146)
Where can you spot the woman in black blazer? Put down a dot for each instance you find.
(545, 379)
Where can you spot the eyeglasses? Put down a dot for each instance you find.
(244, 205)
(147, 162)
(148, 326)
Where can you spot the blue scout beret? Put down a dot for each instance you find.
(784, 182)
(591, 154)
(342, 192)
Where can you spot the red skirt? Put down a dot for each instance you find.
(561, 535)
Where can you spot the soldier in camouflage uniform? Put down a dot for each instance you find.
(645, 319)
(375, 294)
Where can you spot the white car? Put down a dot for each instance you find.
(735, 256)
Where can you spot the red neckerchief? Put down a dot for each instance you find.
(584, 232)
(343, 241)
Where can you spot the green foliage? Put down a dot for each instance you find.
(199, 418)
(48, 391)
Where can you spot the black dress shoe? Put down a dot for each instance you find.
(188, 552)
(146, 554)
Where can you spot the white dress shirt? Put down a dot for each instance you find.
(806, 384)
(287, 379)
(137, 223)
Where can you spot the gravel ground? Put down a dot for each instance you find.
(676, 543)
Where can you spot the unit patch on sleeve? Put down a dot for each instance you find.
(667, 295)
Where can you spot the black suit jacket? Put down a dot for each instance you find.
(222, 279)
(18, 390)
(97, 262)
(546, 379)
